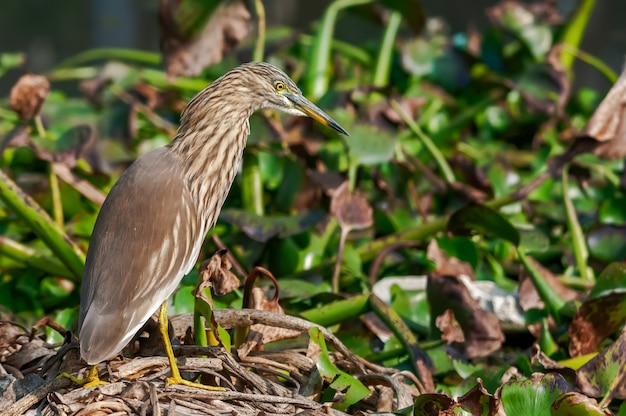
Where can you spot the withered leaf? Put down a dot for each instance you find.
(216, 270)
(608, 122)
(351, 210)
(478, 400)
(605, 374)
(28, 95)
(450, 329)
(481, 329)
(194, 39)
(594, 321)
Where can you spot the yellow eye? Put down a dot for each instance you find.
(279, 86)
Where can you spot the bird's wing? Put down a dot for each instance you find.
(140, 250)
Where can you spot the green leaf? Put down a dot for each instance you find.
(533, 396)
(341, 381)
(604, 374)
(476, 218)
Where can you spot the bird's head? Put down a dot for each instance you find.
(276, 90)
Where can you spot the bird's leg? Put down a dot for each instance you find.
(92, 379)
(175, 377)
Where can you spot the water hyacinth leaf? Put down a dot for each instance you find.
(602, 314)
(461, 248)
(433, 404)
(612, 210)
(532, 396)
(605, 375)
(476, 218)
(576, 404)
(612, 280)
(368, 146)
(607, 242)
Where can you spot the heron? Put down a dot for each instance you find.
(152, 224)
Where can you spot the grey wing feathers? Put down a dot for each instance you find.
(139, 252)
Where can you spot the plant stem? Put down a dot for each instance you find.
(579, 245)
(52, 235)
(441, 161)
(259, 46)
(317, 81)
(383, 63)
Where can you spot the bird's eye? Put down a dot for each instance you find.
(279, 86)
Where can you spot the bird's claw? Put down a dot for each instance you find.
(180, 380)
(92, 379)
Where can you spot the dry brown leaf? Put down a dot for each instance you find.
(351, 210)
(608, 122)
(28, 95)
(474, 399)
(188, 54)
(450, 329)
(481, 329)
(587, 334)
(217, 271)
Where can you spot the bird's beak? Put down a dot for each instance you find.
(313, 111)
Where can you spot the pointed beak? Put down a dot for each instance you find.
(315, 112)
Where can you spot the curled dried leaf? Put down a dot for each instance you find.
(28, 95)
(193, 36)
(608, 123)
(216, 270)
(351, 210)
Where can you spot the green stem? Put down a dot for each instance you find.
(578, 237)
(553, 302)
(259, 47)
(338, 311)
(445, 169)
(383, 63)
(317, 81)
(339, 259)
(592, 61)
(252, 184)
(30, 257)
(55, 194)
(50, 233)
(345, 49)
(575, 29)
(108, 54)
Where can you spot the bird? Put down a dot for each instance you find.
(152, 224)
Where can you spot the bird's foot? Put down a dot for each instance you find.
(92, 379)
(180, 380)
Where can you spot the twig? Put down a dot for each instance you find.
(22, 405)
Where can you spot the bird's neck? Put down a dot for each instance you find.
(210, 143)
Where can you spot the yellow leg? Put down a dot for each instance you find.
(175, 377)
(92, 379)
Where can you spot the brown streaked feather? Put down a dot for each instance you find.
(119, 296)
